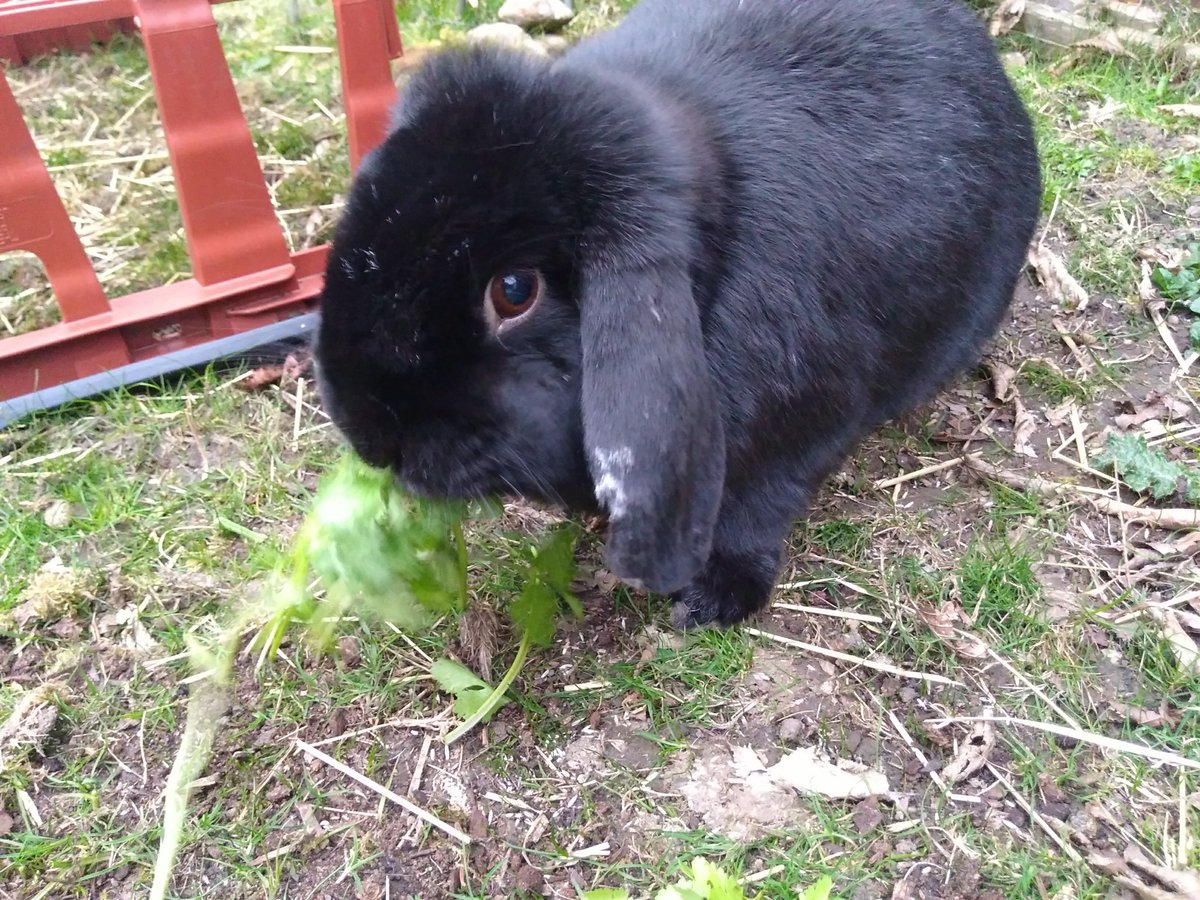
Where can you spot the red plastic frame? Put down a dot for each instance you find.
(244, 276)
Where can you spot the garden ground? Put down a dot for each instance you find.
(1016, 579)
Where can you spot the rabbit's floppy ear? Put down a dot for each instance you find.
(652, 426)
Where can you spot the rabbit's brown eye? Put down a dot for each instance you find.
(514, 293)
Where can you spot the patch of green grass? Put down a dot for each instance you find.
(840, 537)
(682, 688)
(1075, 150)
(999, 592)
(1183, 173)
(1012, 504)
(1056, 385)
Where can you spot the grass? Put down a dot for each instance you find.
(148, 475)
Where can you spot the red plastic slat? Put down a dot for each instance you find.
(244, 276)
(32, 217)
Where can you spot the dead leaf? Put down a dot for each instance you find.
(308, 818)
(1057, 416)
(1156, 405)
(606, 581)
(1098, 113)
(1052, 273)
(1003, 376)
(1181, 109)
(941, 619)
(1107, 41)
(1187, 654)
(30, 721)
(1137, 873)
(1139, 715)
(905, 890)
(1167, 257)
(1060, 604)
(1006, 17)
(1065, 63)
(263, 376)
(1024, 427)
(804, 771)
(1186, 883)
(1184, 546)
(973, 754)
(297, 366)
(126, 623)
(6, 823)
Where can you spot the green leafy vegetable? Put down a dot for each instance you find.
(378, 553)
(1181, 288)
(470, 691)
(371, 543)
(707, 881)
(1148, 471)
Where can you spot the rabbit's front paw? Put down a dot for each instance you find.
(729, 589)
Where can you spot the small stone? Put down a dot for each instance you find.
(6, 823)
(477, 826)
(348, 649)
(502, 34)
(791, 731)
(337, 723)
(547, 15)
(57, 514)
(1056, 810)
(867, 816)
(531, 880)
(278, 791)
(555, 44)
(1014, 60)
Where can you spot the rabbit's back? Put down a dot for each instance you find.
(878, 185)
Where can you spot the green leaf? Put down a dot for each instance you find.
(1194, 336)
(534, 612)
(606, 894)
(240, 530)
(819, 891)
(555, 559)
(1148, 471)
(382, 552)
(707, 882)
(469, 690)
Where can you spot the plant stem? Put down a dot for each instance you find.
(493, 701)
(209, 700)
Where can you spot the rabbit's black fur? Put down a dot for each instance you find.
(765, 227)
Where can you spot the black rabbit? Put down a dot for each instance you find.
(681, 271)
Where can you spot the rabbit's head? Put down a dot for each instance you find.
(508, 306)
